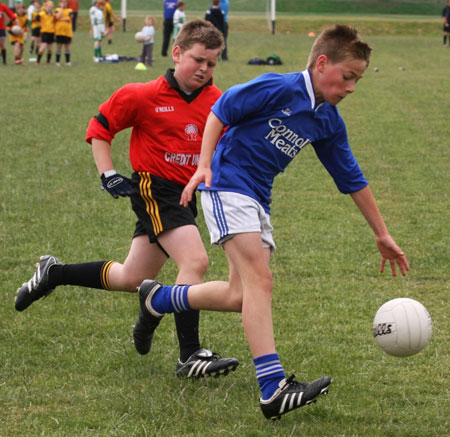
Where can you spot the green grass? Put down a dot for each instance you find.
(67, 364)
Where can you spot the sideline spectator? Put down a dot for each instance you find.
(47, 19)
(63, 32)
(109, 21)
(446, 27)
(97, 16)
(18, 41)
(147, 47)
(179, 18)
(224, 4)
(216, 16)
(169, 9)
(35, 25)
(73, 4)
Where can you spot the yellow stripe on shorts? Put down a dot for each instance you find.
(151, 205)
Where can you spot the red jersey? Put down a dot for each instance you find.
(167, 125)
(5, 10)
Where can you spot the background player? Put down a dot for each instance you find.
(18, 41)
(47, 19)
(446, 24)
(97, 19)
(110, 18)
(168, 117)
(35, 25)
(63, 32)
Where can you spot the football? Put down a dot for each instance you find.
(139, 37)
(402, 327)
(16, 30)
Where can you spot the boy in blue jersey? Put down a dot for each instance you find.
(270, 120)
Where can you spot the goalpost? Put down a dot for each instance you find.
(271, 14)
(123, 13)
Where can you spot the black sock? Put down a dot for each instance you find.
(445, 39)
(186, 323)
(92, 274)
(67, 57)
(4, 56)
(49, 57)
(58, 56)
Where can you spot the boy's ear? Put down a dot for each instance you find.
(176, 52)
(321, 63)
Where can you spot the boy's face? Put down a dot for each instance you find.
(332, 82)
(195, 66)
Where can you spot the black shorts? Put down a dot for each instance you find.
(446, 29)
(47, 37)
(2, 33)
(157, 206)
(61, 39)
(36, 32)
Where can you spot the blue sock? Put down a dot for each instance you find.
(171, 299)
(269, 373)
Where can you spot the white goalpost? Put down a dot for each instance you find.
(123, 13)
(271, 14)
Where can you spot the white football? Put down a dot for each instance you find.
(139, 37)
(16, 30)
(402, 327)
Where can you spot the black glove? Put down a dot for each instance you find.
(117, 185)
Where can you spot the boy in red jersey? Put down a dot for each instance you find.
(168, 116)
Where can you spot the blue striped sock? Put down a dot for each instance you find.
(269, 373)
(171, 299)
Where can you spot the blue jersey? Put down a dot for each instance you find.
(224, 4)
(270, 120)
(170, 7)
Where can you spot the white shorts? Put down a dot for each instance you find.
(228, 213)
(97, 32)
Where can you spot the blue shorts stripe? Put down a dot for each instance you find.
(219, 214)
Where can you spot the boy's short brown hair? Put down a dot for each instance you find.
(339, 42)
(199, 31)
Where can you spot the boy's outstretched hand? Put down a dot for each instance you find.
(390, 251)
(201, 175)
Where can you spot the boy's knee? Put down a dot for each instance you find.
(198, 264)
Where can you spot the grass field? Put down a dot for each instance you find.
(67, 364)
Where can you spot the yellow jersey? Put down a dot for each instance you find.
(47, 22)
(22, 19)
(35, 23)
(63, 26)
(109, 14)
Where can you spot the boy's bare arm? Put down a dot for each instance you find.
(101, 150)
(213, 129)
(116, 184)
(386, 245)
